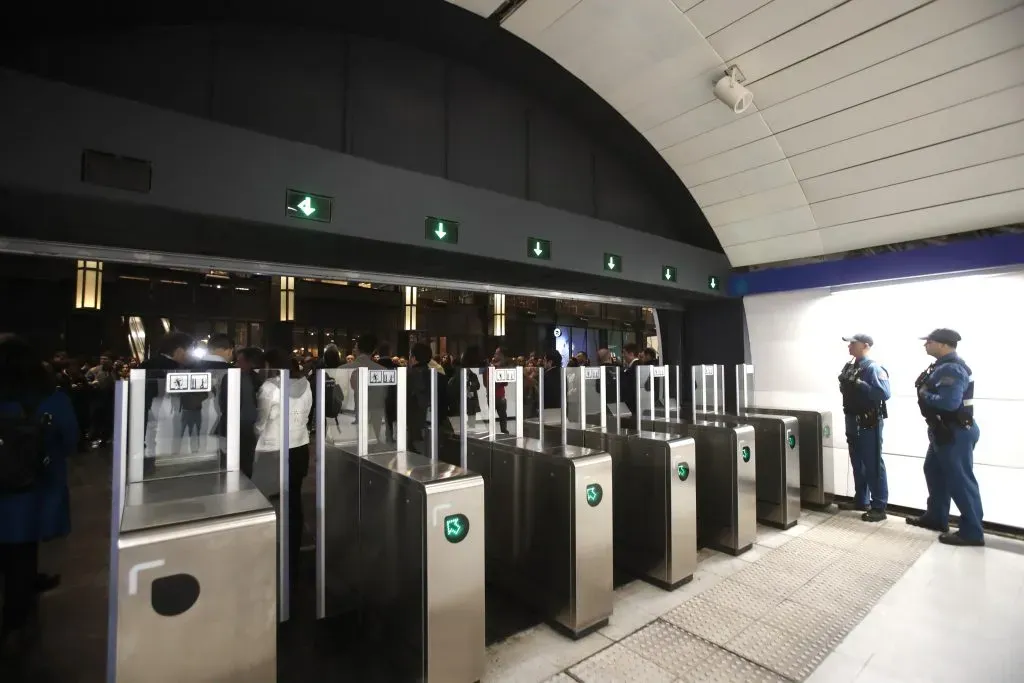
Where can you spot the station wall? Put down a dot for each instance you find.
(797, 350)
(213, 169)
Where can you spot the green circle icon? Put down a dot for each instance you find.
(791, 440)
(456, 528)
(746, 453)
(594, 495)
(683, 471)
(826, 431)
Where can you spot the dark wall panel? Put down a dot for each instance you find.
(165, 67)
(396, 112)
(622, 198)
(481, 109)
(281, 81)
(561, 164)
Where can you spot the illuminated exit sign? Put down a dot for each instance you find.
(308, 207)
(714, 283)
(441, 230)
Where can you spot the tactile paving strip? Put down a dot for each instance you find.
(561, 678)
(725, 667)
(671, 648)
(813, 623)
(840, 591)
(618, 664)
(778, 580)
(708, 620)
(792, 655)
(838, 536)
(742, 598)
(867, 564)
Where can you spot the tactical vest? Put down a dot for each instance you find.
(962, 416)
(855, 401)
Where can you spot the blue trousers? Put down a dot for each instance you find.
(870, 482)
(949, 473)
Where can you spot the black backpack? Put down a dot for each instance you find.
(23, 458)
(334, 398)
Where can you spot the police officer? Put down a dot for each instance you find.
(865, 388)
(945, 394)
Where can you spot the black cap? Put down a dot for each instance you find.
(944, 336)
(862, 338)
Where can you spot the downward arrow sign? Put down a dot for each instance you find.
(538, 250)
(611, 264)
(668, 274)
(440, 230)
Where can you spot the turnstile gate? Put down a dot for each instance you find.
(401, 542)
(778, 465)
(817, 464)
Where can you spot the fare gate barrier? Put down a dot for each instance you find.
(726, 458)
(194, 543)
(400, 534)
(549, 524)
(654, 476)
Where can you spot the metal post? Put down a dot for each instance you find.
(433, 417)
(719, 389)
(363, 412)
(665, 393)
(694, 370)
(540, 403)
(679, 393)
(118, 472)
(492, 386)
(321, 495)
(234, 393)
(136, 428)
(653, 381)
(618, 399)
(401, 415)
(520, 390)
(603, 389)
(463, 420)
(583, 397)
(565, 408)
(284, 510)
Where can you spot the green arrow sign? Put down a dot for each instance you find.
(714, 283)
(668, 273)
(441, 230)
(456, 528)
(791, 441)
(538, 248)
(683, 471)
(308, 207)
(745, 451)
(613, 262)
(594, 495)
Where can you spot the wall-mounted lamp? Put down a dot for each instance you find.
(498, 323)
(287, 306)
(730, 92)
(89, 285)
(410, 309)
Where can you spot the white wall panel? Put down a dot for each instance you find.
(972, 44)
(684, 5)
(671, 90)
(801, 245)
(735, 160)
(967, 183)
(983, 113)
(735, 133)
(797, 352)
(981, 78)
(815, 36)
(712, 16)
(927, 23)
(972, 214)
(998, 143)
(775, 174)
(531, 18)
(779, 224)
(756, 206)
(764, 24)
(707, 117)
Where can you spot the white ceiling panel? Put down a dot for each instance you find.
(925, 24)
(734, 161)
(756, 205)
(999, 143)
(711, 16)
(750, 182)
(973, 214)
(990, 37)
(878, 110)
(982, 180)
(844, 22)
(980, 78)
(970, 117)
(484, 8)
(789, 222)
(735, 134)
(802, 245)
(766, 23)
(533, 17)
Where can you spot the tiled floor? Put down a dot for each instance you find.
(830, 600)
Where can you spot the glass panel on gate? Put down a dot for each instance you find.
(591, 405)
(644, 391)
(340, 406)
(178, 421)
(573, 398)
(502, 406)
(271, 425)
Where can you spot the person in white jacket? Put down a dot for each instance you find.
(268, 446)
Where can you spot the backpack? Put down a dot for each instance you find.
(23, 457)
(334, 398)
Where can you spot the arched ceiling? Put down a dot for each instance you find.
(874, 121)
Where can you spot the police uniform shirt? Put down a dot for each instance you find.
(944, 388)
(873, 381)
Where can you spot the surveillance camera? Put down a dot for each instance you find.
(734, 95)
